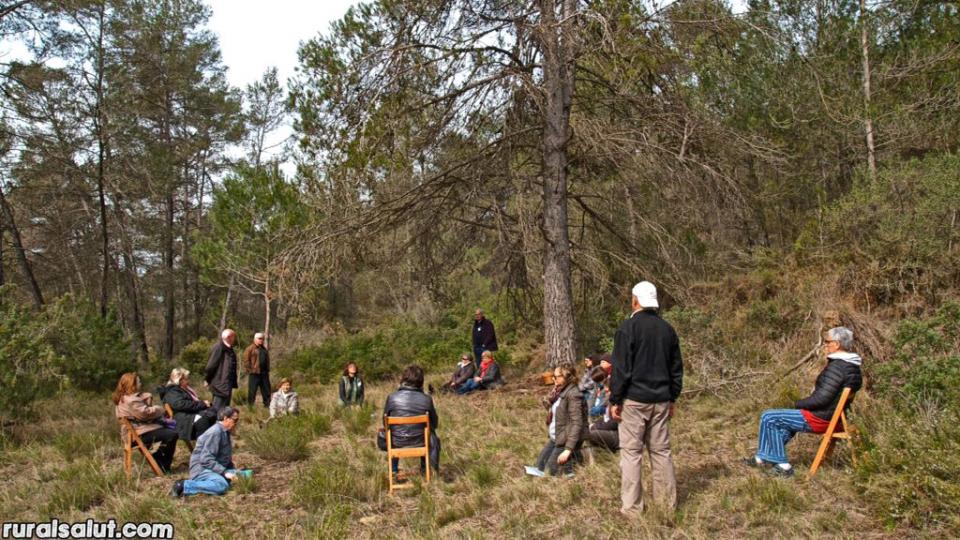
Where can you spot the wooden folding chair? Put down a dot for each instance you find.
(169, 410)
(128, 441)
(826, 442)
(408, 452)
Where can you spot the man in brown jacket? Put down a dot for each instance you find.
(256, 362)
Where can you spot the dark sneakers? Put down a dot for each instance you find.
(176, 491)
(780, 472)
(752, 462)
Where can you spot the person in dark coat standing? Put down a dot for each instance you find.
(484, 336)
(646, 381)
(220, 374)
(256, 362)
(410, 400)
(811, 414)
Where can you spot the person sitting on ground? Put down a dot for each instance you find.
(284, 401)
(487, 378)
(192, 414)
(464, 372)
(597, 398)
(811, 414)
(587, 384)
(351, 386)
(145, 417)
(551, 402)
(410, 400)
(569, 424)
(211, 464)
(606, 365)
(605, 433)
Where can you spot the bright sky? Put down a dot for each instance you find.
(255, 34)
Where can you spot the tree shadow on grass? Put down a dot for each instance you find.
(691, 481)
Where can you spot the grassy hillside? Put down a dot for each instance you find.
(335, 485)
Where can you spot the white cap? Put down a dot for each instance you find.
(646, 294)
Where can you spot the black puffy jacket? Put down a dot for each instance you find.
(409, 401)
(837, 375)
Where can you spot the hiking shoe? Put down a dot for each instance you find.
(780, 472)
(752, 462)
(176, 491)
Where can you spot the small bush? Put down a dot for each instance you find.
(81, 486)
(26, 358)
(194, 357)
(96, 352)
(244, 485)
(356, 420)
(287, 438)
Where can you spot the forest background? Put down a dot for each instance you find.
(773, 171)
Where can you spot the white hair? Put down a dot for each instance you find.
(177, 375)
(226, 333)
(258, 335)
(843, 336)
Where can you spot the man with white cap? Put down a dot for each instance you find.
(646, 380)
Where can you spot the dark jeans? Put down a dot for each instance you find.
(168, 445)
(258, 381)
(477, 353)
(220, 402)
(470, 386)
(605, 435)
(547, 460)
(434, 456)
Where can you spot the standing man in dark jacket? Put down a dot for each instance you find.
(256, 362)
(646, 381)
(220, 374)
(410, 400)
(484, 336)
(811, 414)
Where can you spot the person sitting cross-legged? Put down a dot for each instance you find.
(284, 400)
(211, 464)
(488, 376)
(811, 414)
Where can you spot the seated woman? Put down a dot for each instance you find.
(587, 384)
(351, 386)
(410, 400)
(487, 378)
(193, 415)
(145, 417)
(569, 424)
(284, 401)
(551, 402)
(597, 398)
(811, 414)
(464, 372)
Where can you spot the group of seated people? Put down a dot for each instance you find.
(577, 413)
(469, 378)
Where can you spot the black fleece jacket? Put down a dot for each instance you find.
(646, 360)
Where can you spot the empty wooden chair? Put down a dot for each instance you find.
(131, 438)
(826, 442)
(407, 452)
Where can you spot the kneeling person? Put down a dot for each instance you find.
(211, 464)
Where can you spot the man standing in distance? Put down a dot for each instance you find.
(484, 336)
(221, 371)
(646, 381)
(256, 362)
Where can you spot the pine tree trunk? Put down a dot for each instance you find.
(21, 253)
(558, 42)
(266, 318)
(169, 308)
(100, 119)
(867, 120)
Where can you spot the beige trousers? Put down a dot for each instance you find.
(646, 424)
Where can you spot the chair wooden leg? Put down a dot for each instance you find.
(146, 455)
(127, 460)
(825, 444)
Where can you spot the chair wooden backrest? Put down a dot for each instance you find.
(826, 442)
(406, 452)
(130, 438)
(169, 410)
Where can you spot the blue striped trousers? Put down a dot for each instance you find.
(777, 427)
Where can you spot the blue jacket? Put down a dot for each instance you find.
(214, 452)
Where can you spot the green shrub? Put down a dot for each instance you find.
(244, 485)
(81, 486)
(356, 420)
(26, 357)
(92, 351)
(194, 357)
(287, 438)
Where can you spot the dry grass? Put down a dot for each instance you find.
(339, 488)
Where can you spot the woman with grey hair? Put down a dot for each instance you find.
(193, 415)
(813, 413)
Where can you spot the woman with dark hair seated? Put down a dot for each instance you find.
(351, 386)
(193, 415)
(464, 372)
(410, 400)
(145, 417)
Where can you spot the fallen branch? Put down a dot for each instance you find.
(807, 357)
(721, 384)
